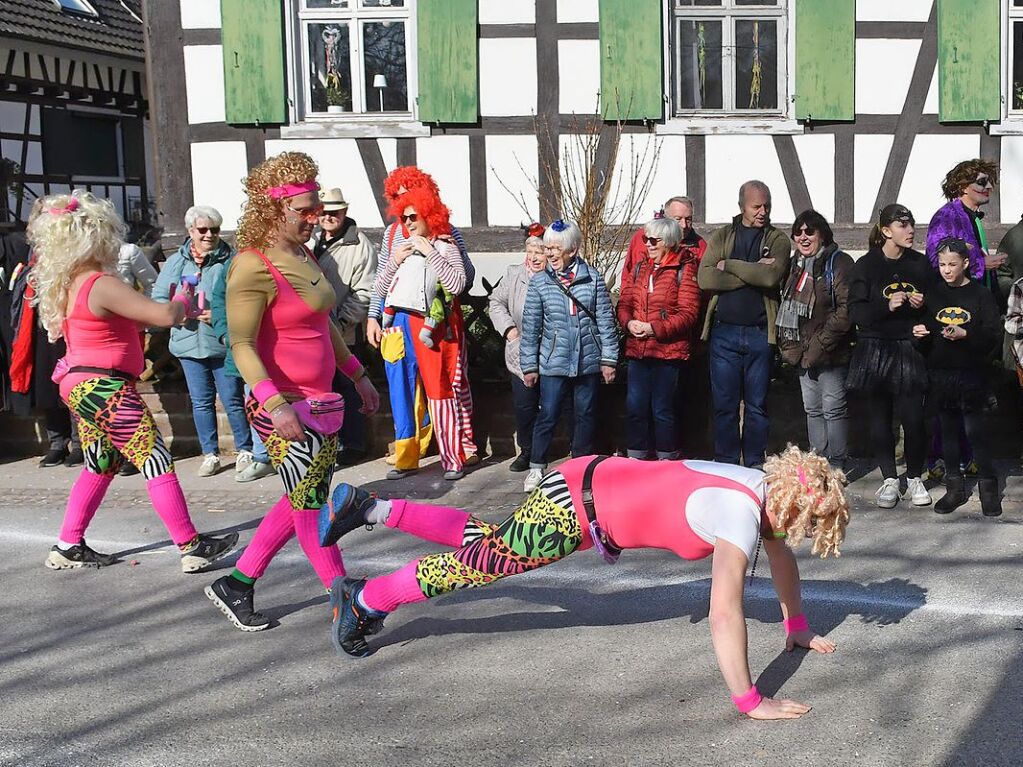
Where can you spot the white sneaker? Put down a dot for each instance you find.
(255, 470)
(888, 493)
(917, 493)
(243, 461)
(532, 480)
(210, 465)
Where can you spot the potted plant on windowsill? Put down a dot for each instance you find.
(337, 97)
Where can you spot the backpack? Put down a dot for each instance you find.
(829, 277)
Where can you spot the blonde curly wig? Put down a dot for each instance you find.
(261, 215)
(805, 493)
(69, 234)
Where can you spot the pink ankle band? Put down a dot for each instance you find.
(749, 701)
(350, 366)
(264, 390)
(795, 623)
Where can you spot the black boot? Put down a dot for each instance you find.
(990, 499)
(955, 494)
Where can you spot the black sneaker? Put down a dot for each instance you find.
(77, 557)
(400, 473)
(236, 604)
(352, 622)
(350, 456)
(54, 457)
(521, 463)
(206, 551)
(343, 512)
(75, 458)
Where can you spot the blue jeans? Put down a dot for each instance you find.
(827, 412)
(206, 379)
(740, 372)
(259, 454)
(651, 391)
(553, 390)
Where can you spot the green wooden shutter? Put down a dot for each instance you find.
(969, 42)
(252, 36)
(448, 61)
(825, 60)
(631, 70)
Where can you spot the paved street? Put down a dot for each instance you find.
(577, 664)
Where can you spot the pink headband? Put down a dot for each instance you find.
(291, 190)
(71, 207)
(803, 481)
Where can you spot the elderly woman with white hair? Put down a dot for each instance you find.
(199, 261)
(658, 308)
(569, 341)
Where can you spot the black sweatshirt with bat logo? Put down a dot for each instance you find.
(970, 307)
(873, 280)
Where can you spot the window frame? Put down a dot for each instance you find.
(1011, 123)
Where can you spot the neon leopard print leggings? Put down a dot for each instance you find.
(109, 414)
(543, 530)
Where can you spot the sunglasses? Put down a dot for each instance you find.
(211, 229)
(983, 182)
(806, 231)
(651, 241)
(311, 215)
(409, 218)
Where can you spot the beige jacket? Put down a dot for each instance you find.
(350, 264)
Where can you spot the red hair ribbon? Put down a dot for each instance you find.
(291, 190)
(71, 207)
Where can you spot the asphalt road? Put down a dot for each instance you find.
(577, 664)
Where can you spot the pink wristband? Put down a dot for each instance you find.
(351, 366)
(795, 623)
(264, 390)
(749, 701)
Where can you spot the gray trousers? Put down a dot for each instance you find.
(827, 412)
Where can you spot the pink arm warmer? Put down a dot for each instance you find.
(748, 701)
(264, 390)
(796, 623)
(350, 367)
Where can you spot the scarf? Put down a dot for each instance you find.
(798, 297)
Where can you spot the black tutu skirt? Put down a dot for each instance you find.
(966, 390)
(892, 366)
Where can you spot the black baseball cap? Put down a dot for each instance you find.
(895, 212)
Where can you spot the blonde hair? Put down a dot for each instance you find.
(804, 492)
(69, 234)
(261, 214)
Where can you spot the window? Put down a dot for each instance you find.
(729, 56)
(79, 144)
(80, 7)
(1016, 58)
(354, 56)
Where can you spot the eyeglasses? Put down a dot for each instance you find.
(983, 182)
(331, 214)
(806, 231)
(210, 229)
(311, 214)
(409, 218)
(651, 241)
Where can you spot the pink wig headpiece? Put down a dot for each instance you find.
(71, 207)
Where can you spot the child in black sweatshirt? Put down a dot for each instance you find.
(959, 335)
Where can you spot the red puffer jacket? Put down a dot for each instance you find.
(667, 297)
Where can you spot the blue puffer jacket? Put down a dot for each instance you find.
(194, 340)
(555, 342)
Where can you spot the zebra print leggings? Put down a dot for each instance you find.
(115, 424)
(306, 468)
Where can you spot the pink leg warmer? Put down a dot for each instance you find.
(388, 592)
(86, 496)
(169, 502)
(325, 561)
(437, 524)
(273, 532)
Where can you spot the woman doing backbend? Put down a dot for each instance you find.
(693, 508)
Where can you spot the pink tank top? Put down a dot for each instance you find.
(642, 504)
(100, 342)
(294, 341)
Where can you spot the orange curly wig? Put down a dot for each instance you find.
(407, 177)
(261, 215)
(427, 205)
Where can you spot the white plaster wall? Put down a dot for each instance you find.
(508, 11)
(341, 165)
(893, 10)
(731, 160)
(579, 76)
(870, 158)
(389, 150)
(12, 117)
(511, 176)
(217, 170)
(929, 161)
(931, 104)
(884, 69)
(507, 76)
(659, 162)
(446, 158)
(204, 83)
(817, 158)
(577, 10)
(200, 14)
(1011, 180)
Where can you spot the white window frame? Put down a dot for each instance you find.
(1011, 118)
(306, 124)
(779, 120)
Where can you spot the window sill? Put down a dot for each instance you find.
(732, 124)
(1009, 126)
(356, 127)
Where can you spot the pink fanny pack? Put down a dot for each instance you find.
(323, 413)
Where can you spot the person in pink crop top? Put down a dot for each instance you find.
(696, 509)
(286, 347)
(77, 239)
